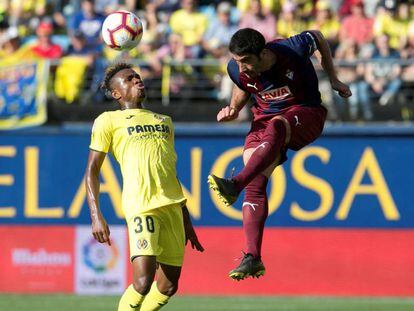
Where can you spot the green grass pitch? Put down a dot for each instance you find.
(105, 303)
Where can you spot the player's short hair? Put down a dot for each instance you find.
(247, 41)
(110, 73)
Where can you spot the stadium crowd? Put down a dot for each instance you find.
(371, 40)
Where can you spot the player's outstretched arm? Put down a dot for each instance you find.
(190, 234)
(100, 229)
(239, 98)
(328, 66)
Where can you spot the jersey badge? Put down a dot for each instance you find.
(158, 117)
(289, 74)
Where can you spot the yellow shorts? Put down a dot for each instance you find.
(158, 232)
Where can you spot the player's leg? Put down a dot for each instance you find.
(296, 128)
(144, 268)
(143, 230)
(161, 290)
(273, 141)
(255, 211)
(172, 242)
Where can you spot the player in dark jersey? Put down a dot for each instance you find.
(288, 114)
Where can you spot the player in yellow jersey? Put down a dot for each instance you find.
(158, 221)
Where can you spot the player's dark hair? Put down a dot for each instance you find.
(247, 41)
(110, 73)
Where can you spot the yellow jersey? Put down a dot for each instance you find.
(143, 144)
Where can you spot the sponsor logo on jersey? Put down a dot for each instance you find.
(148, 128)
(275, 94)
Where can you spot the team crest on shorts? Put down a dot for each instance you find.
(142, 244)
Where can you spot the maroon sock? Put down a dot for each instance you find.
(255, 211)
(265, 154)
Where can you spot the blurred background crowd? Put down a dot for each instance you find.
(183, 54)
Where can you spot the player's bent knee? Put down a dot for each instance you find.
(142, 284)
(168, 290)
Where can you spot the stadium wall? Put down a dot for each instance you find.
(341, 215)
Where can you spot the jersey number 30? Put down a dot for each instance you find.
(149, 224)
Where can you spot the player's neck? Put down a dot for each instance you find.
(131, 106)
(269, 59)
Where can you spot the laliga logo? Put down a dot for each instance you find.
(100, 257)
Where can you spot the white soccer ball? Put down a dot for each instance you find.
(122, 30)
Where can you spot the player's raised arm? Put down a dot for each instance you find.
(327, 64)
(239, 98)
(100, 229)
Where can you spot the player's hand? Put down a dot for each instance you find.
(227, 114)
(100, 230)
(342, 88)
(191, 236)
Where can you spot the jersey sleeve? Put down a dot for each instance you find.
(101, 137)
(303, 44)
(233, 71)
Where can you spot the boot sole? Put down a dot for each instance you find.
(213, 185)
(239, 276)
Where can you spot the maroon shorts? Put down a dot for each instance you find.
(306, 124)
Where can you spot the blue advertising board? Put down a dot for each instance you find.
(341, 180)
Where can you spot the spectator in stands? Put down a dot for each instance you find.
(105, 7)
(219, 32)
(79, 47)
(155, 31)
(407, 53)
(9, 41)
(289, 23)
(393, 21)
(174, 50)
(26, 15)
(88, 22)
(350, 74)
(215, 43)
(44, 47)
(382, 74)
(259, 19)
(167, 6)
(326, 22)
(73, 68)
(268, 6)
(407, 76)
(357, 27)
(190, 25)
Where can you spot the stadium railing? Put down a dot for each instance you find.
(195, 84)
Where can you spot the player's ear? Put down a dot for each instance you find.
(263, 53)
(115, 94)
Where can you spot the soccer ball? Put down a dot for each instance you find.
(122, 30)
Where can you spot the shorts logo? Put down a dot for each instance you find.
(142, 244)
(297, 120)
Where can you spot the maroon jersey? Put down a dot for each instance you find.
(290, 81)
